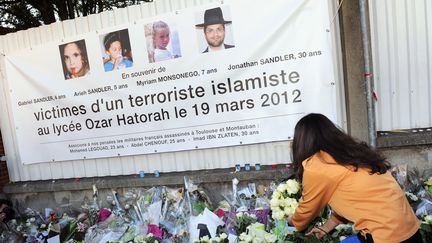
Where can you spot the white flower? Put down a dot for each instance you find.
(205, 239)
(289, 211)
(32, 219)
(428, 219)
(150, 235)
(244, 238)
(342, 227)
(282, 204)
(276, 209)
(412, 196)
(278, 215)
(270, 237)
(292, 186)
(127, 206)
(223, 236)
(277, 195)
(239, 214)
(281, 188)
(342, 238)
(217, 239)
(274, 202)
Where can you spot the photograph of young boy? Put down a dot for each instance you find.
(117, 51)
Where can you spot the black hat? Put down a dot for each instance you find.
(213, 16)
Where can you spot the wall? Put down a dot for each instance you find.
(407, 147)
(401, 37)
(199, 159)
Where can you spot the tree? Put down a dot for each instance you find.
(18, 15)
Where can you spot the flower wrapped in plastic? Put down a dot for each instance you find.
(284, 199)
(116, 207)
(109, 230)
(256, 233)
(175, 214)
(131, 232)
(26, 227)
(129, 200)
(197, 198)
(149, 206)
(68, 226)
(246, 197)
(148, 238)
(243, 220)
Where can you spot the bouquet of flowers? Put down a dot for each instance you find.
(222, 238)
(256, 233)
(285, 199)
(243, 220)
(149, 206)
(197, 198)
(149, 238)
(175, 214)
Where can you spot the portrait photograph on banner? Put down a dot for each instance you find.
(74, 59)
(162, 39)
(116, 50)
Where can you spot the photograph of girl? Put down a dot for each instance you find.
(74, 59)
(162, 42)
(116, 50)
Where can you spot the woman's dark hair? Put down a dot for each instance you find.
(315, 132)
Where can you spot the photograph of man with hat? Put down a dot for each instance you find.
(214, 30)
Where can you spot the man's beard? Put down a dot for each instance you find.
(215, 43)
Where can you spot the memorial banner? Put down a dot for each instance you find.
(241, 72)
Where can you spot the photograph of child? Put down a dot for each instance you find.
(116, 50)
(216, 29)
(74, 59)
(162, 42)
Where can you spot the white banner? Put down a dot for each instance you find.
(241, 72)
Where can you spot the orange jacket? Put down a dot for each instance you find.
(374, 203)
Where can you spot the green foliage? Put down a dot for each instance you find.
(243, 221)
(18, 15)
(426, 232)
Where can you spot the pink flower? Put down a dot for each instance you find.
(103, 214)
(155, 230)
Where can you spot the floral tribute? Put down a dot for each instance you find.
(248, 214)
(284, 199)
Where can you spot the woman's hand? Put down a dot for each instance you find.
(318, 232)
(290, 220)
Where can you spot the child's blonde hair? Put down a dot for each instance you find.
(159, 25)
